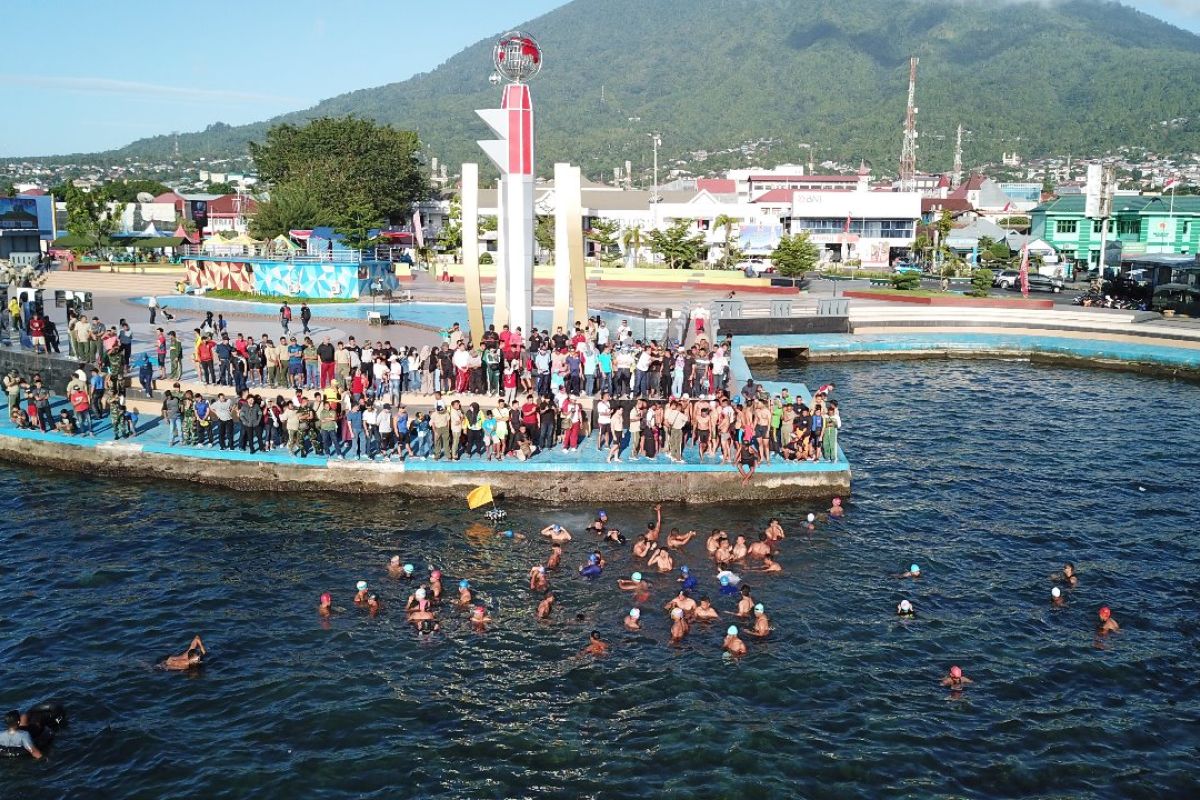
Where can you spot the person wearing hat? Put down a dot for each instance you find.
(360, 597)
(732, 644)
(1107, 623)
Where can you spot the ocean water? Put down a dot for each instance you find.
(988, 474)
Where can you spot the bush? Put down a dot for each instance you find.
(485, 258)
(981, 283)
(906, 281)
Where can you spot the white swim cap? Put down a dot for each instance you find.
(1056, 592)
(812, 517)
(905, 607)
(420, 593)
(635, 613)
(731, 630)
(362, 586)
(677, 613)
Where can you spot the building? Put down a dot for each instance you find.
(873, 228)
(1140, 225)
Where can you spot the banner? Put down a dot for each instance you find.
(200, 213)
(18, 214)
(1025, 271)
(479, 496)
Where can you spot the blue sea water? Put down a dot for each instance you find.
(988, 474)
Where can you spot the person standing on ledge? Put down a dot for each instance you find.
(152, 304)
(305, 317)
(285, 317)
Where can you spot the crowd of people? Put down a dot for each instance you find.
(509, 397)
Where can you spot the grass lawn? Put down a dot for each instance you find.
(230, 294)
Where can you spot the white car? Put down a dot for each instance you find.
(757, 267)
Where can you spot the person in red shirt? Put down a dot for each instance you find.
(206, 348)
(37, 332)
(529, 417)
(82, 404)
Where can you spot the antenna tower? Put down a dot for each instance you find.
(957, 175)
(908, 157)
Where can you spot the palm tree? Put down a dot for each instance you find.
(727, 222)
(632, 239)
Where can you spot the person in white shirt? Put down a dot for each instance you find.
(371, 429)
(602, 334)
(604, 420)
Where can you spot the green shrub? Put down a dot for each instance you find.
(906, 281)
(485, 258)
(981, 283)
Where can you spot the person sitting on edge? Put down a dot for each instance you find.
(189, 658)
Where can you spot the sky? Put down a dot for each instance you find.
(97, 75)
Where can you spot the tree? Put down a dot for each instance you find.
(8, 191)
(351, 160)
(604, 234)
(981, 283)
(221, 188)
(89, 218)
(795, 255)
(543, 233)
(355, 224)
(677, 245)
(633, 238)
(449, 238)
(294, 206)
(127, 191)
(727, 222)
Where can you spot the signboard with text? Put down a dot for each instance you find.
(18, 214)
(200, 213)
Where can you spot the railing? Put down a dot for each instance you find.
(261, 254)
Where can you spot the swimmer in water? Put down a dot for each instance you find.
(905, 609)
(687, 579)
(661, 560)
(435, 585)
(775, 531)
(745, 603)
(325, 605)
(464, 593)
(595, 646)
(914, 571)
(544, 607)
(760, 549)
(615, 536)
(360, 597)
(682, 602)
(705, 611)
(557, 533)
(421, 611)
(836, 510)
(1107, 623)
(679, 628)
(599, 559)
(537, 579)
(643, 547)
(637, 585)
(415, 599)
(188, 659)
(739, 549)
(762, 624)
(394, 568)
(956, 680)
(373, 605)
(1056, 598)
(479, 618)
(555, 559)
(724, 552)
(631, 620)
(770, 565)
(592, 569)
(809, 522)
(653, 528)
(713, 541)
(732, 644)
(1068, 575)
(510, 535)
(676, 539)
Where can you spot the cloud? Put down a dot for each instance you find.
(135, 88)
(1187, 7)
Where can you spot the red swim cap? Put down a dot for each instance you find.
(1105, 613)
(956, 672)
(326, 598)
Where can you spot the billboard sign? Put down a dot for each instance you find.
(1095, 179)
(200, 213)
(759, 239)
(18, 214)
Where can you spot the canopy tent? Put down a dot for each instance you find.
(244, 241)
(181, 233)
(151, 232)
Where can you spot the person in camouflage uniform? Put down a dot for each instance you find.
(187, 413)
(116, 416)
(115, 369)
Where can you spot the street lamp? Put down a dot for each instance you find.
(656, 142)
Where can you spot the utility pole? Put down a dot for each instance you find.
(656, 141)
(908, 156)
(957, 175)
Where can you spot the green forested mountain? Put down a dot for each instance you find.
(1083, 76)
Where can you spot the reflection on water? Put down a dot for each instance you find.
(990, 475)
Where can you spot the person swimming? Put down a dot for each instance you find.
(774, 531)
(631, 621)
(679, 627)
(732, 644)
(1056, 597)
(1068, 575)
(557, 533)
(661, 560)
(595, 646)
(760, 549)
(592, 569)
(762, 624)
(682, 601)
(810, 521)
(325, 605)
(905, 609)
(479, 618)
(739, 549)
(914, 571)
(537, 579)
(435, 584)
(615, 536)
(705, 611)
(546, 606)
(190, 658)
(373, 605)
(835, 509)
(415, 599)
(687, 579)
(464, 593)
(393, 568)
(745, 603)
(360, 597)
(956, 680)
(1107, 623)
(676, 539)
(555, 559)
(510, 534)
(770, 565)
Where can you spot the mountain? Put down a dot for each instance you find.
(1079, 76)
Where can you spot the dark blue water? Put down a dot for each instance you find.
(990, 475)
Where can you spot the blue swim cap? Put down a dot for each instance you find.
(758, 607)
(684, 569)
(914, 568)
(463, 584)
(508, 534)
(592, 559)
(724, 580)
(601, 513)
(408, 568)
(637, 576)
(731, 630)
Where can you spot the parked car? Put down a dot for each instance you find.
(1177, 298)
(905, 267)
(1006, 278)
(755, 267)
(1037, 283)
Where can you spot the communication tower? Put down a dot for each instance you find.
(908, 156)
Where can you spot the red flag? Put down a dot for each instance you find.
(1025, 270)
(418, 229)
(847, 228)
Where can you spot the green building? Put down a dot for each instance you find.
(1143, 225)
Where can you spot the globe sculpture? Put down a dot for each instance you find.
(517, 57)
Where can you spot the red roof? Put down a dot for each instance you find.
(951, 204)
(32, 193)
(775, 196)
(716, 185)
(227, 205)
(807, 178)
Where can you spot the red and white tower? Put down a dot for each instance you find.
(517, 58)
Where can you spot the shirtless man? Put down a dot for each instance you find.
(643, 547)
(713, 541)
(762, 624)
(739, 549)
(836, 510)
(189, 658)
(631, 620)
(702, 426)
(760, 549)
(635, 584)
(464, 593)
(394, 568)
(653, 528)
(679, 628)
(745, 602)
(555, 558)
(676, 539)
(955, 679)
(682, 601)
(705, 612)
(479, 618)
(537, 579)
(595, 646)
(325, 605)
(557, 533)
(775, 531)
(1107, 623)
(544, 607)
(762, 426)
(732, 644)
(661, 560)
(724, 552)
(360, 597)
(770, 565)
(435, 585)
